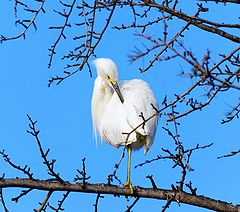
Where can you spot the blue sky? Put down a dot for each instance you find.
(64, 116)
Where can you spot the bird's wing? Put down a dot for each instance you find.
(139, 101)
(120, 118)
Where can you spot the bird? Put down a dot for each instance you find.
(120, 110)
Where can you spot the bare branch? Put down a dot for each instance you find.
(61, 34)
(186, 18)
(150, 177)
(132, 205)
(23, 193)
(50, 165)
(168, 203)
(88, 47)
(168, 44)
(44, 203)
(83, 173)
(223, 1)
(2, 201)
(25, 23)
(96, 202)
(230, 154)
(25, 170)
(193, 190)
(163, 194)
(234, 113)
(116, 166)
(60, 203)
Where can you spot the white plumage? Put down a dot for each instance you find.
(118, 108)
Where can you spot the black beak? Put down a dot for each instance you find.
(117, 89)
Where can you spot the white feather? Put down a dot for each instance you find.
(112, 118)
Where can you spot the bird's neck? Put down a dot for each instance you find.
(102, 93)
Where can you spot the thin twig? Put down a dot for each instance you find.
(232, 153)
(27, 26)
(83, 173)
(132, 205)
(44, 203)
(116, 167)
(3, 201)
(60, 203)
(50, 165)
(97, 201)
(25, 170)
(61, 34)
(23, 193)
(168, 44)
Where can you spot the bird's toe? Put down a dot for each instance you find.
(128, 185)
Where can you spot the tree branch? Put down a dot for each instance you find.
(61, 34)
(26, 26)
(184, 17)
(2, 201)
(50, 164)
(223, 1)
(163, 194)
(44, 203)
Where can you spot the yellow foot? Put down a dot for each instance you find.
(129, 185)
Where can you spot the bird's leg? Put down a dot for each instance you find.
(128, 183)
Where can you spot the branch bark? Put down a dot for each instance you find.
(187, 18)
(163, 194)
(224, 1)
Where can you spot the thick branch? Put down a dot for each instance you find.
(187, 18)
(224, 1)
(180, 197)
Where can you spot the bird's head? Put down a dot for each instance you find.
(107, 70)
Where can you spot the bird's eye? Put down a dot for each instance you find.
(108, 77)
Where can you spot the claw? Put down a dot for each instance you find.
(128, 185)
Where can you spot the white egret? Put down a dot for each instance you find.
(119, 107)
